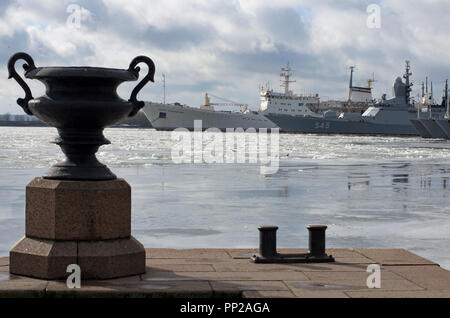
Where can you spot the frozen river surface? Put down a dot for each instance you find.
(386, 192)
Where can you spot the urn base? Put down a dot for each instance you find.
(105, 259)
(68, 171)
(80, 162)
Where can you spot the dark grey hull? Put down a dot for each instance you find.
(433, 128)
(299, 124)
(420, 128)
(444, 124)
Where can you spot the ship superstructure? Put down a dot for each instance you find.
(288, 102)
(429, 122)
(359, 94)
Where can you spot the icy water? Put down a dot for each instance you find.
(385, 192)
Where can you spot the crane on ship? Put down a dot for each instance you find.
(210, 106)
(371, 80)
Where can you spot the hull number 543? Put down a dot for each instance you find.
(320, 125)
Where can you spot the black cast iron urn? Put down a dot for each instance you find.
(80, 102)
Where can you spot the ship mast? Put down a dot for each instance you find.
(418, 106)
(164, 88)
(350, 83)
(286, 73)
(447, 115)
(406, 76)
(431, 101)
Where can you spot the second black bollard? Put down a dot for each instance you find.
(316, 242)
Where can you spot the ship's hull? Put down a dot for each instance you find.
(421, 129)
(170, 117)
(433, 128)
(444, 124)
(300, 124)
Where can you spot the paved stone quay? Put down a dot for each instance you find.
(230, 273)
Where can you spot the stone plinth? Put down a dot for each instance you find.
(78, 222)
(111, 258)
(78, 210)
(42, 258)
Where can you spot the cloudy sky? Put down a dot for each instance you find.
(230, 47)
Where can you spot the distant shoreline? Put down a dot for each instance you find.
(41, 124)
(33, 123)
(138, 121)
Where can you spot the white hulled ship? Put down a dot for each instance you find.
(288, 103)
(165, 116)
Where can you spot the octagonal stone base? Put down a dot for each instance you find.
(78, 210)
(48, 259)
(42, 258)
(78, 222)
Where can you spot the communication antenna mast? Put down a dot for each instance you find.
(164, 88)
(406, 76)
(447, 115)
(286, 73)
(431, 102)
(351, 75)
(350, 84)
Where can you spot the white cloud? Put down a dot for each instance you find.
(230, 47)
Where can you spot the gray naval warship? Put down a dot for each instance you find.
(385, 117)
(434, 126)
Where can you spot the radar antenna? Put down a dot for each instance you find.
(408, 85)
(286, 73)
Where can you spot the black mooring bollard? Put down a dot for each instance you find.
(268, 241)
(268, 247)
(317, 239)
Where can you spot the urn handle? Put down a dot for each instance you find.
(29, 66)
(137, 105)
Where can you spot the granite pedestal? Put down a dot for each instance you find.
(77, 222)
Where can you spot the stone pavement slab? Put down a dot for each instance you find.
(132, 289)
(354, 276)
(187, 261)
(394, 257)
(213, 253)
(354, 260)
(4, 261)
(179, 267)
(346, 285)
(225, 276)
(13, 286)
(400, 294)
(267, 294)
(241, 285)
